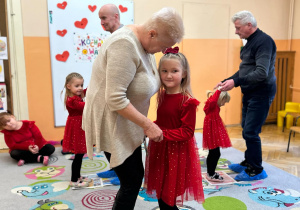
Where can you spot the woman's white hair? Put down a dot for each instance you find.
(244, 17)
(167, 22)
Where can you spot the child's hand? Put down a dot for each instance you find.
(34, 149)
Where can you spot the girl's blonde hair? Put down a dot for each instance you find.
(69, 79)
(4, 118)
(224, 95)
(185, 82)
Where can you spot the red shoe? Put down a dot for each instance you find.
(46, 160)
(21, 162)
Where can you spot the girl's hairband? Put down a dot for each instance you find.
(174, 50)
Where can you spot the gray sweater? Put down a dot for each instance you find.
(122, 73)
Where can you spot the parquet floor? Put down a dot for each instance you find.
(274, 145)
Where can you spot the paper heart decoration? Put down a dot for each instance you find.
(61, 33)
(92, 8)
(81, 24)
(62, 5)
(62, 57)
(122, 9)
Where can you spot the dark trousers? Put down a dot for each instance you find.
(164, 206)
(107, 154)
(28, 157)
(76, 167)
(254, 113)
(212, 160)
(131, 174)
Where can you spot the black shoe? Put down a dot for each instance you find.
(251, 171)
(239, 167)
(244, 163)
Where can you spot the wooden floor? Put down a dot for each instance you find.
(274, 145)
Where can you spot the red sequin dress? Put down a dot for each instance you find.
(74, 137)
(214, 132)
(173, 169)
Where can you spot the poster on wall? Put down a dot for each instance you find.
(86, 47)
(2, 78)
(76, 36)
(3, 48)
(3, 98)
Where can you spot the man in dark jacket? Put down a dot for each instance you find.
(256, 77)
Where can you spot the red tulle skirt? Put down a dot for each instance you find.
(74, 137)
(173, 172)
(215, 134)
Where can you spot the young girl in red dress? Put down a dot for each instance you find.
(214, 132)
(173, 169)
(74, 137)
(24, 140)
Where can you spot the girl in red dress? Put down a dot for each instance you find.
(173, 170)
(214, 132)
(24, 140)
(74, 137)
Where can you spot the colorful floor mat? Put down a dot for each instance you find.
(34, 186)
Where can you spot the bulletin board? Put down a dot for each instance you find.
(3, 98)
(76, 36)
(3, 48)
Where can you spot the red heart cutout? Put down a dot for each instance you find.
(61, 33)
(92, 8)
(62, 57)
(81, 24)
(62, 5)
(122, 9)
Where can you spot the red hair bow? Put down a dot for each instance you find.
(172, 50)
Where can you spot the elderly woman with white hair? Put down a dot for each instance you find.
(124, 78)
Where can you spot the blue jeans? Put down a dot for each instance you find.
(254, 113)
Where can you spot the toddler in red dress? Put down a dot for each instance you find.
(74, 136)
(173, 170)
(24, 140)
(214, 132)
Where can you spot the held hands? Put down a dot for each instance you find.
(218, 85)
(154, 133)
(34, 149)
(225, 86)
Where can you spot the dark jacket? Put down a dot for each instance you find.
(256, 75)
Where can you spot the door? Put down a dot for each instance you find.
(284, 71)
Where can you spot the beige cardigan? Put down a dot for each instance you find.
(122, 73)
